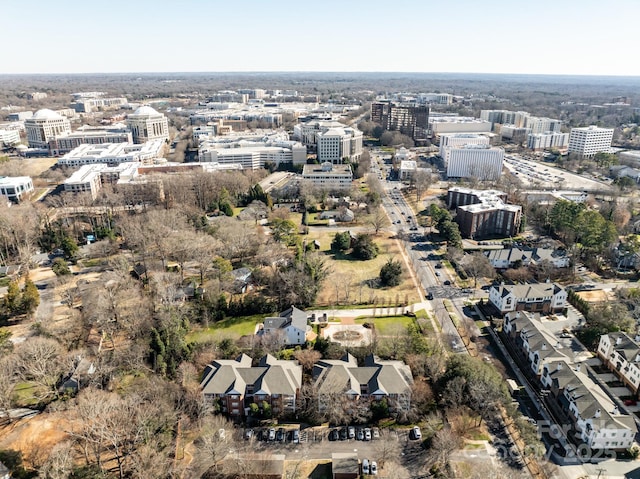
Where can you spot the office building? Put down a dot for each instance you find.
(15, 188)
(484, 213)
(19, 115)
(147, 124)
(90, 135)
(328, 176)
(252, 151)
(114, 153)
(514, 134)
(9, 137)
(332, 140)
(409, 119)
(88, 105)
(85, 180)
(457, 124)
(589, 140)
(44, 126)
(548, 140)
(473, 161)
(461, 139)
(504, 117)
(541, 124)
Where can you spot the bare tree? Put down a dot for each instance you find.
(477, 265)
(378, 219)
(422, 180)
(387, 448)
(41, 361)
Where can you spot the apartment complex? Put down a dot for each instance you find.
(233, 384)
(339, 380)
(589, 140)
(409, 119)
(542, 298)
(328, 176)
(473, 161)
(147, 124)
(44, 126)
(15, 188)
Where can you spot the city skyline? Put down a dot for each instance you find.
(461, 36)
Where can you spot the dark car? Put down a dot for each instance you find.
(447, 282)
(334, 435)
(280, 435)
(343, 434)
(429, 295)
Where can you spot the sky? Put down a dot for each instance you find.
(577, 37)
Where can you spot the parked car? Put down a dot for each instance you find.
(447, 282)
(438, 265)
(430, 295)
(296, 436)
(334, 435)
(343, 434)
(373, 467)
(365, 466)
(280, 435)
(248, 434)
(272, 434)
(360, 434)
(416, 433)
(437, 273)
(352, 432)
(375, 433)
(367, 434)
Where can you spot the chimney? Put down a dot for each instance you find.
(577, 368)
(618, 340)
(544, 346)
(559, 366)
(597, 414)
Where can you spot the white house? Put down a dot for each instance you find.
(291, 325)
(539, 297)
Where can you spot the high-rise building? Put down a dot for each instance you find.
(589, 140)
(550, 139)
(44, 126)
(147, 124)
(410, 120)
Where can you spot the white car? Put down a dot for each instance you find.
(373, 468)
(416, 432)
(365, 466)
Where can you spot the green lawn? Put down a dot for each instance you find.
(387, 325)
(231, 327)
(24, 394)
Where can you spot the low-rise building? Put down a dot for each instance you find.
(9, 137)
(407, 169)
(510, 257)
(537, 297)
(85, 180)
(233, 384)
(16, 188)
(339, 380)
(88, 105)
(114, 153)
(90, 135)
(548, 140)
(252, 153)
(328, 176)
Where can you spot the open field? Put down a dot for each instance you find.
(228, 328)
(33, 167)
(353, 281)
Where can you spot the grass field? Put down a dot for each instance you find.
(388, 325)
(228, 328)
(353, 281)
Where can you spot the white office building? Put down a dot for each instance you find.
(457, 124)
(332, 140)
(85, 180)
(147, 124)
(504, 117)
(88, 105)
(589, 140)
(328, 176)
(44, 126)
(550, 139)
(473, 161)
(461, 139)
(252, 153)
(14, 188)
(9, 137)
(118, 133)
(114, 153)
